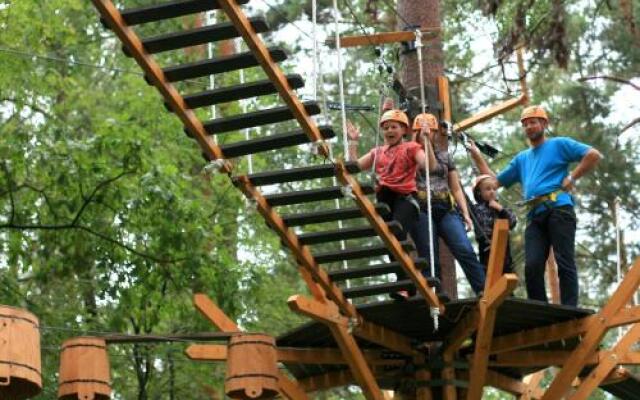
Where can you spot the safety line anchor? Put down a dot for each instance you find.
(214, 166)
(435, 315)
(347, 191)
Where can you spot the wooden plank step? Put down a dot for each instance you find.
(172, 9)
(361, 252)
(256, 118)
(307, 196)
(237, 92)
(299, 174)
(197, 36)
(345, 234)
(218, 65)
(272, 142)
(318, 217)
(381, 288)
(373, 270)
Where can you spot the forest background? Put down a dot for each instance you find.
(108, 224)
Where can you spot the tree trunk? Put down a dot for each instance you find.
(426, 14)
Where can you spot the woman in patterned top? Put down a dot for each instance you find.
(448, 207)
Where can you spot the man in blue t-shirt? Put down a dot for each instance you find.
(543, 172)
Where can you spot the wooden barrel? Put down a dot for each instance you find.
(20, 376)
(252, 367)
(84, 370)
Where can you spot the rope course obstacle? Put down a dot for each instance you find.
(493, 340)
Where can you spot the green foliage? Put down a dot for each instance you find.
(108, 225)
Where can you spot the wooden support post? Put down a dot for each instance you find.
(273, 71)
(497, 288)
(448, 375)
(368, 210)
(487, 310)
(595, 333)
(288, 388)
(423, 392)
(151, 68)
(608, 363)
(376, 39)
(499, 240)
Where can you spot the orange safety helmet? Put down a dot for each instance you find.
(395, 115)
(425, 118)
(534, 112)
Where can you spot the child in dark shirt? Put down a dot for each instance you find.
(487, 210)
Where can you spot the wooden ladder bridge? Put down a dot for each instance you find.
(494, 340)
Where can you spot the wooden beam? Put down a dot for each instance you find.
(376, 39)
(322, 312)
(384, 337)
(366, 330)
(368, 210)
(326, 356)
(207, 352)
(273, 71)
(560, 331)
(151, 68)
(607, 365)
(532, 389)
(499, 240)
(443, 94)
(500, 381)
(314, 288)
(487, 308)
(214, 314)
(300, 252)
(536, 358)
(327, 380)
(489, 113)
(595, 332)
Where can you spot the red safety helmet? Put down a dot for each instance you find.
(395, 115)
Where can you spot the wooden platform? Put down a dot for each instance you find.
(411, 318)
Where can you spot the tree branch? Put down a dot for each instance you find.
(630, 124)
(610, 78)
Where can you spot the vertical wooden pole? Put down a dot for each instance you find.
(552, 278)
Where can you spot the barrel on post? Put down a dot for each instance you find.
(20, 376)
(252, 367)
(84, 370)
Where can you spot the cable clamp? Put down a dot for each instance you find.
(435, 315)
(352, 324)
(214, 166)
(418, 39)
(347, 191)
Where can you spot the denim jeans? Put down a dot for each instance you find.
(554, 227)
(448, 225)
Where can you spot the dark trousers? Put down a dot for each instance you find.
(484, 249)
(402, 208)
(555, 227)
